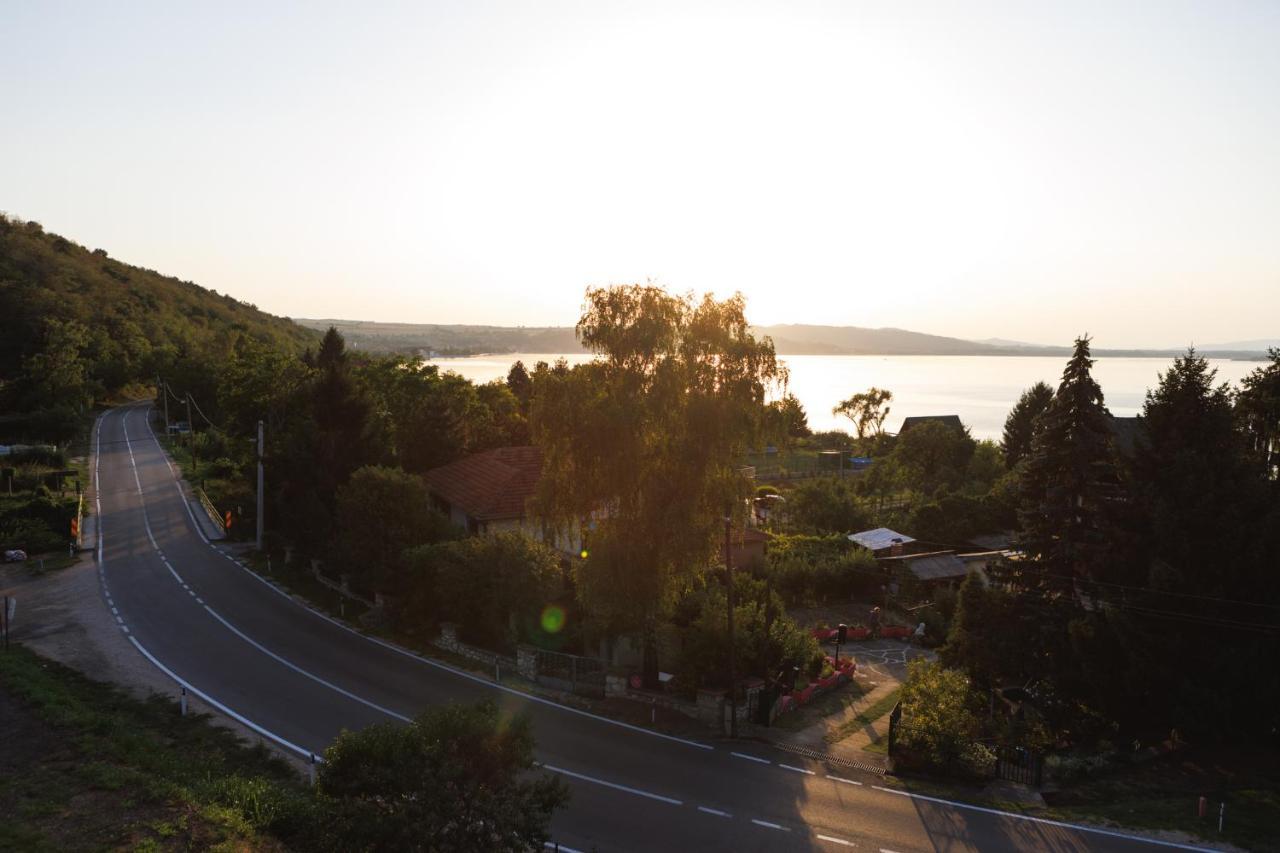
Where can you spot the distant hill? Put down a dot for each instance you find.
(789, 339)
(135, 322)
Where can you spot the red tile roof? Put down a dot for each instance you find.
(489, 486)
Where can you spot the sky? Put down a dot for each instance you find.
(1026, 170)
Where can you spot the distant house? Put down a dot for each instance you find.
(952, 421)
(487, 492)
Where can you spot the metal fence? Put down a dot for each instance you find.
(573, 673)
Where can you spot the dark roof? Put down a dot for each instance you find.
(928, 567)
(948, 420)
(489, 486)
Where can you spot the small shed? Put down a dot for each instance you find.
(881, 541)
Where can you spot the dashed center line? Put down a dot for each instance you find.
(842, 779)
(835, 840)
(797, 769)
(767, 825)
(751, 758)
(615, 785)
(715, 812)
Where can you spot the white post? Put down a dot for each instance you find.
(261, 508)
(184, 701)
(1222, 811)
(312, 770)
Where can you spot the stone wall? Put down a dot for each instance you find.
(448, 640)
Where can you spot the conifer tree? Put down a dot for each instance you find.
(1069, 481)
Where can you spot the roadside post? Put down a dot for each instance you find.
(311, 772)
(184, 701)
(842, 633)
(1222, 812)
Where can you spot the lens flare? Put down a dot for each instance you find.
(552, 618)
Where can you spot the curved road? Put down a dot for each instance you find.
(299, 678)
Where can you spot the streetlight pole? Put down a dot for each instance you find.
(733, 681)
(260, 496)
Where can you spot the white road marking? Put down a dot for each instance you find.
(768, 825)
(552, 845)
(615, 785)
(835, 840)
(715, 812)
(887, 850)
(1043, 820)
(223, 708)
(796, 769)
(375, 706)
(842, 779)
(751, 758)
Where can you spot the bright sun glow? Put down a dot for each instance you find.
(993, 171)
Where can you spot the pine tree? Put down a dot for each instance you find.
(1023, 422)
(1070, 481)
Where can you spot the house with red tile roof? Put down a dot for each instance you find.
(487, 492)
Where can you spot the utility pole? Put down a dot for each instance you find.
(191, 437)
(260, 496)
(733, 681)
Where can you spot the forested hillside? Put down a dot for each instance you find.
(79, 325)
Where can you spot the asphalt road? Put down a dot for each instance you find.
(300, 678)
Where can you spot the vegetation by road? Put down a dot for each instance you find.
(86, 767)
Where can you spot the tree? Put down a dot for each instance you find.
(987, 635)
(933, 455)
(827, 505)
(765, 639)
(643, 444)
(1200, 504)
(940, 715)
(1021, 425)
(867, 410)
(1069, 479)
(785, 420)
(520, 383)
(381, 512)
(1258, 407)
(494, 586)
(455, 779)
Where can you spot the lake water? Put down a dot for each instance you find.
(980, 389)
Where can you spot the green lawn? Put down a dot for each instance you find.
(86, 767)
(866, 717)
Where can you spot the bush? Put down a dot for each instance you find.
(809, 569)
(455, 779)
(766, 640)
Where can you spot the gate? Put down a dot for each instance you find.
(572, 673)
(1017, 764)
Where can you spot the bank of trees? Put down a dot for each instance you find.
(1145, 595)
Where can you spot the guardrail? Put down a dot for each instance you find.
(210, 510)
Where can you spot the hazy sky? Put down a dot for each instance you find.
(1025, 170)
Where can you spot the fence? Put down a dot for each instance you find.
(210, 511)
(574, 673)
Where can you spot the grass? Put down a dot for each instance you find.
(87, 767)
(866, 717)
(1164, 794)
